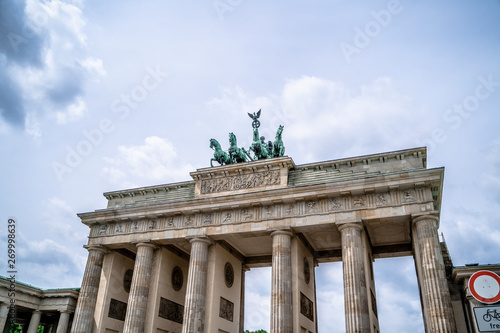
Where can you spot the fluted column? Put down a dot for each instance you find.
(196, 289)
(84, 313)
(139, 289)
(34, 321)
(357, 318)
(281, 289)
(62, 325)
(4, 313)
(434, 288)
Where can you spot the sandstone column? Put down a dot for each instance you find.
(357, 318)
(281, 289)
(4, 313)
(244, 269)
(34, 321)
(62, 325)
(196, 289)
(139, 290)
(438, 311)
(84, 313)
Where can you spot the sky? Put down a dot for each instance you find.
(101, 96)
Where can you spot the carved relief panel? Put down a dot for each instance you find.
(240, 182)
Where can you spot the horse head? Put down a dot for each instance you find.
(232, 138)
(214, 143)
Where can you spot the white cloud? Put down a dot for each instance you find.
(63, 222)
(32, 126)
(257, 299)
(156, 162)
(95, 64)
(490, 179)
(36, 258)
(329, 115)
(72, 113)
(47, 63)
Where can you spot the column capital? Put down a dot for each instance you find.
(418, 218)
(146, 244)
(37, 311)
(200, 239)
(285, 231)
(356, 225)
(92, 248)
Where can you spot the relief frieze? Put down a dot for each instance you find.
(289, 210)
(103, 229)
(119, 228)
(312, 207)
(207, 218)
(117, 309)
(269, 211)
(135, 226)
(358, 201)
(226, 309)
(171, 310)
(227, 217)
(169, 223)
(247, 214)
(345, 202)
(152, 224)
(408, 196)
(306, 307)
(188, 221)
(336, 204)
(382, 199)
(240, 182)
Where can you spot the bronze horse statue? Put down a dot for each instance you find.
(237, 155)
(219, 155)
(278, 147)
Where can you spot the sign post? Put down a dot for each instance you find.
(485, 287)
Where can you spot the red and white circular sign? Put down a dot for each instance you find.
(485, 287)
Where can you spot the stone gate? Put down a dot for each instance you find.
(172, 258)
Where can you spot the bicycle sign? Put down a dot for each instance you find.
(487, 318)
(491, 314)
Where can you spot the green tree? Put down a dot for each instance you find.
(15, 328)
(259, 331)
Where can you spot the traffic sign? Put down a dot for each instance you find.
(485, 287)
(487, 318)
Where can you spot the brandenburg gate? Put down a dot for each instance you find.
(172, 258)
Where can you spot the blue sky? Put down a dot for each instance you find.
(99, 96)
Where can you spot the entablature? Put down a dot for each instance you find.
(393, 189)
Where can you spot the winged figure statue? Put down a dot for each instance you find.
(255, 116)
